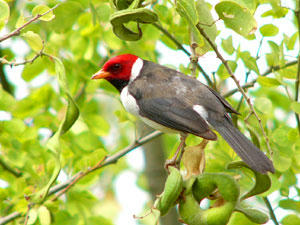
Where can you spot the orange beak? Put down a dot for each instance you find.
(101, 74)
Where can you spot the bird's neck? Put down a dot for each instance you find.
(119, 84)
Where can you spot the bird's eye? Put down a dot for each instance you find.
(116, 67)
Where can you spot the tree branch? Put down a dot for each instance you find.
(17, 31)
(4, 61)
(225, 63)
(180, 46)
(271, 212)
(74, 179)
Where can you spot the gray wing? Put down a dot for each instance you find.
(170, 112)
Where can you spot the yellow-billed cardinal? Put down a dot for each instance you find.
(168, 100)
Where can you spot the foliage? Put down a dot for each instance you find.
(65, 123)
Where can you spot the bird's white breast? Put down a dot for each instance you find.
(129, 102)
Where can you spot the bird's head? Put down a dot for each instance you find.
(117, 68)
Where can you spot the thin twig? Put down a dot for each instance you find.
(276, 68)
(180, 46)
(267, 72)
(74, 179)
(9, 169)
(225, 63)
(10, 217)
(108, 160)
(17, 31)
(271, 212)
(297, 14)
(40, 53)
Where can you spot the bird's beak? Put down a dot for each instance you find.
(101, 74)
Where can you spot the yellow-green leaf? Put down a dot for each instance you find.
(34, 40)
(227, 45)
(296, 107)
(269, 30)
(263, 104)
(32, 216)
(268, 81)
(236, 17)
(44, 215)
(187, 9)
(21, 20)
(4, 10)
(41, 9)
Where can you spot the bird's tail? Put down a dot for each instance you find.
(248, 152)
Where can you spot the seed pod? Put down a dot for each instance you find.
(204, 186)
(172, 190)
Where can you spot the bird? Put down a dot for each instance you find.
(170, 101)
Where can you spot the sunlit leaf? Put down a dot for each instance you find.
(227, 45)
(32, 216)
(44, 215)
(34, 40)
(4, 13)
(269, 30)
(291, 219)
(41, 9)
(234, 17)
(264, 105)
(296, 107)
(268, 81)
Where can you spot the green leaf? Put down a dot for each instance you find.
(31, 70)
(227, 45)
(7, 102)
(207, 23)
(44, 215)
(4, 13)
(291, 220)
(263, 104)
(187, 9)
(34, 40)
(268, 30)
(296, 107)
(88, 141)
(41, 9)
(222, 71)
(249, 61)
(280, 136)
(290, 204)
(97, 124)
(32, 216)
(234, 17)
(66, 15)
(281, 161)
(292, 40)
(268, 82)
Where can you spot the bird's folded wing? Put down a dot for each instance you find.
(173, 113)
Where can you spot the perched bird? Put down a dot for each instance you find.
(170, 101)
